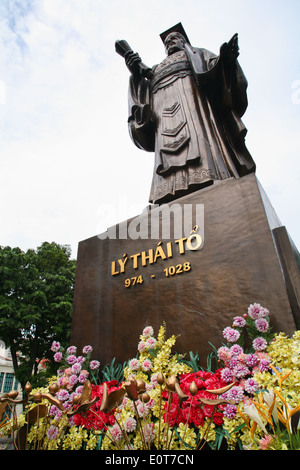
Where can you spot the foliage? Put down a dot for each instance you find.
(36, 295)
(192, 362)
(113, 371)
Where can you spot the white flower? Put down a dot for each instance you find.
(149, 433)
(130, 424)
(269, 398)
(116, 432)
(252, 412)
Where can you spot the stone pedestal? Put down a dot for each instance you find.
(194, 282)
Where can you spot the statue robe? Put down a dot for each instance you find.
(189, 114)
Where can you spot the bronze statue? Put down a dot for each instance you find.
(188, 110)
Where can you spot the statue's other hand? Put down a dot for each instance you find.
(132, 60)
(229, 51)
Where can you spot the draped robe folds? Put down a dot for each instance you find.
(189, 114)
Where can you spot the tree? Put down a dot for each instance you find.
(36, 296)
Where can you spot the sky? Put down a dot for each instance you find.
(69, 169)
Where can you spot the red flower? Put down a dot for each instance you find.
(89, 419)
(218, 418)
(197, 412)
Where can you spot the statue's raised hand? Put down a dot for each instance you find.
(229, 51)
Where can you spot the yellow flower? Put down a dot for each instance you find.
(92, 440)
(188, 435)
(73, 440)
(207, 431)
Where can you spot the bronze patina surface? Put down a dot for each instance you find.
(188, 110)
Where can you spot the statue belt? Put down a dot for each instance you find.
(171, 69)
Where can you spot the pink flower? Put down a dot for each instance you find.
(83, 377)
(116, 432)
(55, 413)
(58, 357)
(142, 409)
(87, 349)
(239, 322)
(52, 432)
(233, 362)
(76, 368)
(231, 334)
(151, 342)
(251, 386)
(236, 350)
(124, 402)
(230, 411)
(241, 371)
(251, 360)
(134, 364)
(259, 344)
(80, 359)
(73, 380)
(67, 405)
(60, 381)
(257, 311)
(227, 375)
(148, 431)
(130, 424)
(265, 442)
(264, 365)
(262, 325)
(147, 365)
(62, 395)
(94, 365)
(236, 394)
(72, 350)
(55, 346)
(71, 359)
(150, 404)
(224, 353)
(154, 382)
(141, 346)
(78, 390)
(148, 331)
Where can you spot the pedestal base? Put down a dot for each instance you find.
(123, 285)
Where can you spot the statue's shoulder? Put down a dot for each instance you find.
(203, 53)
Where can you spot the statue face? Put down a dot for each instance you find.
(173, 43)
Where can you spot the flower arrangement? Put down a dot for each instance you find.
(272, 414)
(240, 363)
(266, 416)
(52, 403)
(170, 410)
(250, 402)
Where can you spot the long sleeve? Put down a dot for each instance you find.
(140, 122)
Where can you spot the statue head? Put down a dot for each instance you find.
(174, 39)
(174, 42)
